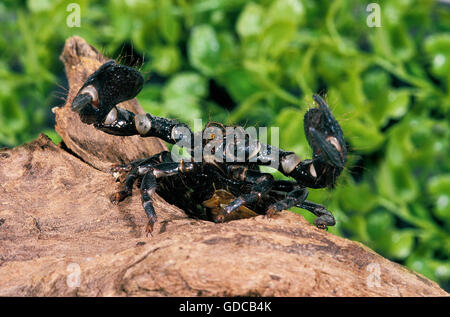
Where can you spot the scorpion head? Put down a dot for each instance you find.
(326, 139)
(111, 84)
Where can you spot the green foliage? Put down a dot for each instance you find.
(388, 86)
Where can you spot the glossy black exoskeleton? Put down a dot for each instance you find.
(210, 185)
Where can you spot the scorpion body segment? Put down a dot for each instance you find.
(212, 184)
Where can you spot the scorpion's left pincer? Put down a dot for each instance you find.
(111, 84)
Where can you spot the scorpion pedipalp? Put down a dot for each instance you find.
(324, 134)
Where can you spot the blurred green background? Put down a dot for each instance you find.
(258, 63)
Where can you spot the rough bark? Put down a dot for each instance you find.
(58, 228)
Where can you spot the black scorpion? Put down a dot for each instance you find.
(212, 187)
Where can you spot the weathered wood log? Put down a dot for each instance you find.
(60, 235)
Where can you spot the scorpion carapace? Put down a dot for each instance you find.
(212, 184)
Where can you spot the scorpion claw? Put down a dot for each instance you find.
(111, 84)
(330, 150)
(326, 139)
(325, 135)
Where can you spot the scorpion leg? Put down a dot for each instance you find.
(151, 171)
(293, 198)
(262, 184)
(324, 217)
(164, 156)
(149, 184)
(135, 172)
(148, 187)
(128, 188)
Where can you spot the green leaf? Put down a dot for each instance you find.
(439, 187)
(400, 243)
(290, 11)
(402, 43)
(150, 92)
(292, 135)
(363, 136)
(438, 47)
(358, 198)
(168, 24)
(399, 146)
(379, 223)
(376, 83)
(357, 224)
(421, 264)
(39, 5)
(204, 49)
(182, 96)
(53, 135)
(250, 21)
(254, 112)
(185, 108)
(185, 84)
(386, 103)
(398, 102)
(239, 83)
(397, 184)
(165, 59)
(276, 38)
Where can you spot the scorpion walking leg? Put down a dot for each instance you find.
(262, 183)
(127, 191)
(324, 217)
(148, 187)
(293, 198)
(135, 173)
(149, 183)
(128, 167)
